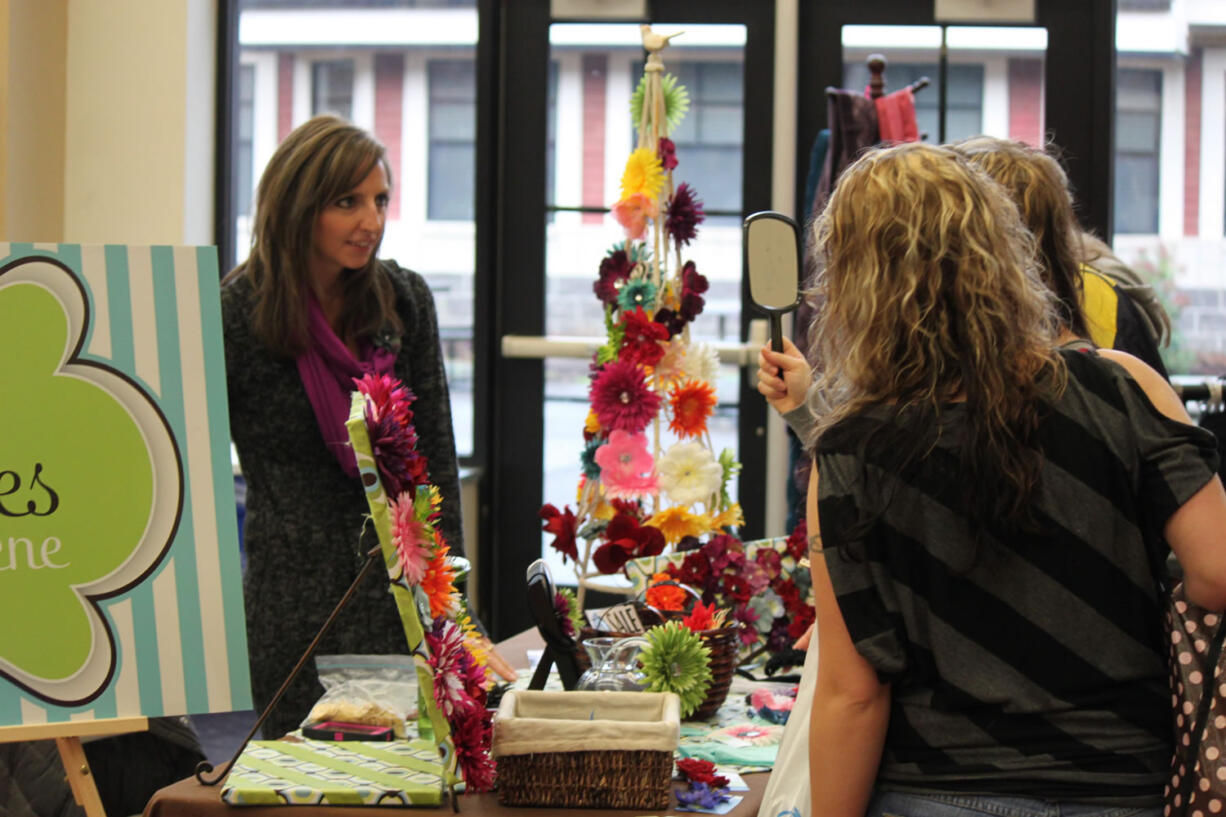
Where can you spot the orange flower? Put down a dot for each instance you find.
(664, 594)
(730, 517)
(677, 522)
(632, 213)
(439, 582)
(692, 402)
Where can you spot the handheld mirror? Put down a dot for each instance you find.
(772, 262)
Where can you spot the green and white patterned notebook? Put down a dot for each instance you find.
(338, 773)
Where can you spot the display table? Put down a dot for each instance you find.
(188, 798)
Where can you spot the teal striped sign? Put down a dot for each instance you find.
(120, 578)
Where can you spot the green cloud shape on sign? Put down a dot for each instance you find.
(91, 488)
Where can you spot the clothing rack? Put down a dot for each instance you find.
(876, 78)
(1208, 392)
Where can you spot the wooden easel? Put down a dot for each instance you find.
(67, 736)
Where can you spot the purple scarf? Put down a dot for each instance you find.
(328, 370)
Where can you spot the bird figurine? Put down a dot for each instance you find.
(653, 42)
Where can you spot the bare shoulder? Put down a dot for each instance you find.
(1153, 384)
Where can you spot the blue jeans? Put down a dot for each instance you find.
(897, 804)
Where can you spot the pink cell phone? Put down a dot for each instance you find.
(339, 730)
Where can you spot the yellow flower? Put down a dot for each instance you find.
(730, 517)
(677, 522)
(604, 511)
(643, 174)
(591, 425)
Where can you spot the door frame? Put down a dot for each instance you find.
(511, 277)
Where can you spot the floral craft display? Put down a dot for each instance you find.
(650, 475)
(449, 654)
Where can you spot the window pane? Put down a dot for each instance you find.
(244, 141)
(332, 88)
(1136, 132)
(453, 116)
(1136, 194)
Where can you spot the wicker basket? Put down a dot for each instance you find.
(722, 644)
(539, 739)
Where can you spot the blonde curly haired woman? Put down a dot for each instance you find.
(987, 509)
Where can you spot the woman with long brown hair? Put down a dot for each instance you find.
(311, 309)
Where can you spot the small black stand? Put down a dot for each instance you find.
(559, 647)
(204, 767)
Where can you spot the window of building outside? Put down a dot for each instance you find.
(709, 138)
(1170, 172)
(453, 119)
(332, 88)
(244, 145)
(1138, 113)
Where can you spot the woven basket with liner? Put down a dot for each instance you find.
(542, 741)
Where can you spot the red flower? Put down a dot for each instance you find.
(702, 617)
(667, 151)
(737, 588)
(562, 525)
(798, 541)
(801, 619)
(622, 399)
(697, 770)
(615, 268)
(770, 561)
(626, 539)
(693, 402)
(642, 339)
(471, 735)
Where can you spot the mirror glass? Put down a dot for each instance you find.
(772, 260)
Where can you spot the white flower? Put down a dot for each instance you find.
(689, 473)
(702, 362)
(670, 367)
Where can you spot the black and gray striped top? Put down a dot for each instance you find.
(1031, 664)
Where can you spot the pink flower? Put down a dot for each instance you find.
(632, 213)
(622, 399)
(414, 542)
(626, 465)
(459, 681)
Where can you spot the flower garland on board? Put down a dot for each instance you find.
(641, 492)
(449, 653)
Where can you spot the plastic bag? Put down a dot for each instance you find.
(380, 690)
(787, 791)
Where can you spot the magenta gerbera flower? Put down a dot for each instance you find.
(471, 735)
(388, 396)
(459, 681)
(684, 215)
(394, 445)
(622, 399)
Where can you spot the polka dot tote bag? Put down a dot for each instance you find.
(1197, 784)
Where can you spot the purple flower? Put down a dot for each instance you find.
(702, 796)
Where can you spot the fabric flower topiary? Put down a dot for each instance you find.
(689, 473)
(676, 660)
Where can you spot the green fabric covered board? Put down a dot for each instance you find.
(319, 772)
